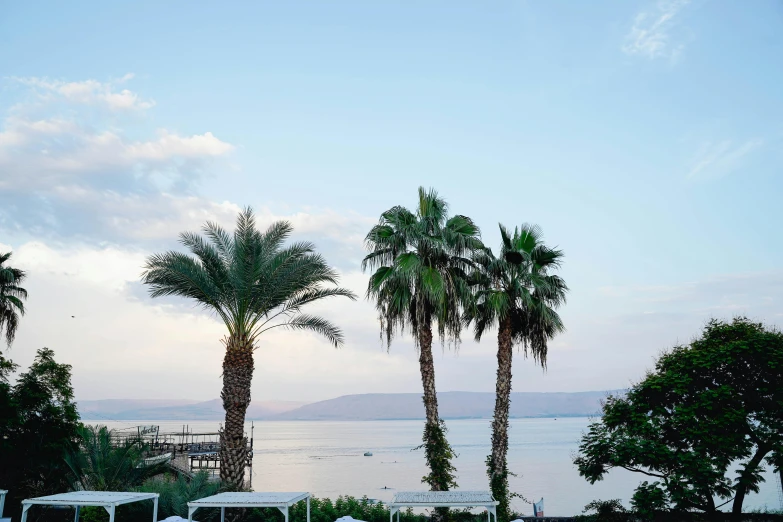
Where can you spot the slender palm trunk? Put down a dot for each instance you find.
(427, 367)
(498, 464)
(438, 453)
(237, 376)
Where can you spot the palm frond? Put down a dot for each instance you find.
(315, 324)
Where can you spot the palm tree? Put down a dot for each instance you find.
(421, 260)
(254, 284)
(518, 294)
(11, 296)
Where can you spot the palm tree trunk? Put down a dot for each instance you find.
(498, 464)
(237, 376)
(427, 367)
(438, 453)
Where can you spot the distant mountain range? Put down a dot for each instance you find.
(122, 409)
(369, 406)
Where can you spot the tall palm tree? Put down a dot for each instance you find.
(517, 293)
(421, 260)
(254, 284)
(11, 297)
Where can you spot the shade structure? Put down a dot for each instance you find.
(450, 499)
(108, 500)
(279, 500)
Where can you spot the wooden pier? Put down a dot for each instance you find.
(190, 451)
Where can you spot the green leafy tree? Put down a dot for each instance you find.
(12, 298)
(101, 461)
(254, 283)
(708, 410)
(518, 294)
(421, 260)
(38, 423)
(605, 511)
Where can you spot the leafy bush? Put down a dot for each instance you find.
(175, 493)
(99, 464)
(605, 511)
(326, 510)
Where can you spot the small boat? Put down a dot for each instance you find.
(154, 461)
(368, 453)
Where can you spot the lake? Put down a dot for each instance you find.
(326, 459)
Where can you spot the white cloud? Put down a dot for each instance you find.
(60, 174)
(62, 178)
(721, 158)
(651, 33)
(56, 152)
(90, 92)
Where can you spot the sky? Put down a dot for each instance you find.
(644, 138)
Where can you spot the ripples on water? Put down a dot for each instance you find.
(326, 459)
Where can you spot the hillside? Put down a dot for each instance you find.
(369, 406)
(175, 410)
(452, 405)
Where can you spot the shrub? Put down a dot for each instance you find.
(175, 493)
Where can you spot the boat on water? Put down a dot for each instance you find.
(368, 453)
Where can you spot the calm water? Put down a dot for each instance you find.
(325, 458)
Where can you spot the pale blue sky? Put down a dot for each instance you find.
(644, 137)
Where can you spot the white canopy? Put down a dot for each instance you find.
(106, 499)
(281, 501)
(453, 499)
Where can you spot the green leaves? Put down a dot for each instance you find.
(99, 464)
(421, 269)
(518, 285)
(11, 298)
(250, 279)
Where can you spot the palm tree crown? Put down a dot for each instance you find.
(249, 279)
(11, 298)
(518, 286)
(421, 261)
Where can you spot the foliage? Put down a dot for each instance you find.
(254, 283)
(101, 462)
(421, 264)
(438, 454)
(519, 285)
(39, 422)
(706, 410)
(649, 500)
(327, 510)
(517, 293)
(175, 493)
(605, 511)
(250, 280)
(11, 298)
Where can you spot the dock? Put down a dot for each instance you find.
(190, 451)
